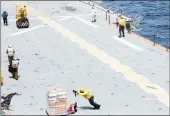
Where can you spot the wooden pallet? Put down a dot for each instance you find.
(54, 111)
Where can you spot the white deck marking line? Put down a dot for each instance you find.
(65, 18)
(77, 15)
(127, 43)
(115, 64)
(150, 99)
(27, 30)
(90, 14)
(12, 16)
(11, 20)
(86, 22)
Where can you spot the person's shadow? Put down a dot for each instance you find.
(14, 78)
(85, 108)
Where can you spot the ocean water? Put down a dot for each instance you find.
(156, 15)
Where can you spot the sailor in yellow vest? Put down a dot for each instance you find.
(88, 95)
(122, 23)
(1, 79)
(24, 10)
(21, 12)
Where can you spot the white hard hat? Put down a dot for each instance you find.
(9, 46)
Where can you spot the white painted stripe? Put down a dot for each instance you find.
(86, 22)
(90, 14)
(77, 15)
(150, 99)
(27, 30)
(31, 18)
(61, 16)
(128, 43)
(62, 19)
(12, 20)
(12, 16)
(66, 16)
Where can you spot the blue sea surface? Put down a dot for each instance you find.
(156, 17)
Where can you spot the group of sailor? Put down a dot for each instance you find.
(121, 23)
(13, 67)
(13, 62)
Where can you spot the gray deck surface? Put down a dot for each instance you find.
(61, 61)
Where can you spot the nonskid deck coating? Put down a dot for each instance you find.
(65, 67)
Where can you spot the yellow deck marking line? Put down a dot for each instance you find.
(115, 64)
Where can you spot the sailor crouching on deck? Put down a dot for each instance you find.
(88, 95)
(10, 52)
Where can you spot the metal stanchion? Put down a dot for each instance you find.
(109, 18)
(121, 12)
(109, 15)
(168, 45)
(154, 40)
(106, 15)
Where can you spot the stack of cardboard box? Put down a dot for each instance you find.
(57, 100)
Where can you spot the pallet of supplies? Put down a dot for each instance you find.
(57, 101)
(61, 110)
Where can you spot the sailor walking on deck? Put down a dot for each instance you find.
(93, 14)
(10, 52)
(5, 18)
(14, 68)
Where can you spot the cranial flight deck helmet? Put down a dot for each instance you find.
(9, 46)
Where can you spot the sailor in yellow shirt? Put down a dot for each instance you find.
(22, 12)
(1, 79)
(88, 95)
(122, 23)
(25, 12)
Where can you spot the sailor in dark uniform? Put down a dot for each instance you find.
(5, 17)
